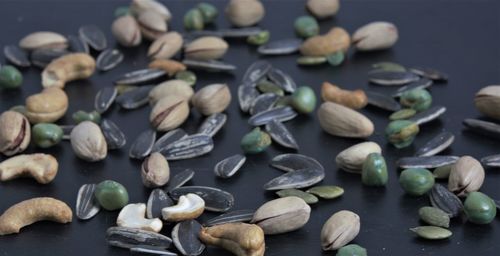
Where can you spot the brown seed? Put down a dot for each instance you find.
(169, 113)
(337, 39)
(166, 46)
(342, 121)
(169, 66)
(212, 99)
(353, 99)
(126, 31)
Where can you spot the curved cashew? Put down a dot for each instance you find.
(41, 167)
(190, 206)
(132, 216)
(30, 211)
(68, 68)
(239, 238)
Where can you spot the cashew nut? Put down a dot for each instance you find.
(190, 206)
(30, 211)
(132, 216)
(47, 106)
(239, 238)
(41, 167)
(68, 68)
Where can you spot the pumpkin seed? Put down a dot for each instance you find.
(428, 162)
(132, 237)
(382, 101)
(186, 76)
(280, 134)
(280, 47)
(76, 44)
(296, 179)
(209, 65)
(135, 98)
(44, 56)
(168, 138)
(216, 200)
(93, 36)
(326, 192)
(483, 127)
(189, 147)
(246, 95)
(256, 71)
(263, 102)
(430, 73)
(442, 172)
(212, 124)
(428, 115)
(311, 60)
(231, 217)
(307, 197)
(389, 66)
(281, 114)
(180, 179)
(445, 200)
(185, 238)
(431, 232)
(151, 250)
(157, 200)
(229, 166)
(86, 204)
(391, 78)
(140, 76)
(491, 161)
(436, 144)
(419, 84)
(282, 79)
(402, 114)
(294, 162)
(115, 139)
(16, 56)
(104, 98)
(109, 59)
(143, 144)
(434, 216)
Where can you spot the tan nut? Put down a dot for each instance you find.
(169, 113)
(487, 101)
(340, 229)
(166, 46)
(206, 48)
(43, 39)
(126, 31)
(41, 167)
(323, 8)
(68, 68)
(337, 39)
(133, 216)
(212, 99)
(342, 121)
(30, 211)
(88, 142)
(352, 99)
(352, 158)
(169, 66)
(375, 36)
(239, 238)
(15, 133)
(139, 6)
(47, 106)
(466, 175)
(244, 13)
(188, 207)
(178, 88)
(155, 171)
(152, 25)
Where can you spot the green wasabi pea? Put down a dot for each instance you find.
(10, 77)
(416, 181)
(255, 141)
(417, 99)
(479, 208)
(208, 11)
(111, 195)
(186, 76)
(401, 133)
(374, 171)
(46, 135)
(351, 250)
(260, 38)
(306, 26)
(335, 58)
(81, 116)
(303, 100)
(193, 20)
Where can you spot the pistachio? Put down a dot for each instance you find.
(206, 48)
(259, 39)
(418, 99)
(47, 106)
(41, 167)
(351, 250)
(352, 158)
(126, 31)
(431, 232)
(303, 100)
(282, 215)
(166, 46)
(416, 181)
(342, 121)
(211, 99)
(208, 11)
(255, 141)
(169, 113)
(375, 36)
(47, 135)
(341, 228)
(111, 195)
(401, 133)
(43, 39)
(434, 216)
(139, 6)
(80, 116)
(178, 88)
(88, 142)
(306, 26)
(172, 67)
(10, 77)
(402, 114)
(186, 75)
(239, 238)
(352, 99)
(479, 208)
(155, 171)
(487, 101)
(151, 24)
(15, 133)
(374, 172)
(68, 68)
(245, 13)
(323, 8)
(337, 39)
(466, 175)
(193, 20)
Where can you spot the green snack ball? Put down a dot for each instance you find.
(374, 171)
(352, 250)
(416, 181)
(303, 99)
(81, 116)
(111, 195)
(46, 135)
(479, 208)
(306, 26)
(259, 39)
(417, 99)
(335, 58)
(193, 20)
(255, 141)
(208, 11)
(401, 133)
(10, 77)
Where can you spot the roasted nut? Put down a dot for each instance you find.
(352, 99)
(206, 48)
(337, 39)
(43, 39)
(212, 99)
(340, 229)
(172, 67)
(15, 133)
(375, 36)
(155, 171)
(169, 113)
(239, 238)
(139, 6)
(133, 216)
(487, 101)
(166, 46)
(323, 8)
(467, 175)
(67, 68)
(47, 106)
(88, 142)
(152, 24)
(41, 167)
(352, 158)
(189, 207)
(126, 31)
(342, 121)
(178, 88)
(244, 13)
(30, 211)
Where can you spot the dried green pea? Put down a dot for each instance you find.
(10, 77)
(374, 170)
(266, 86)
(431, 232)
(418, 99)
(122, 11)
(479, 208)
(402, 114)
(193, 20)
(416, 181)
(303, 100)
(186, 76)
(260, 38)
(81, 116)
(434, 216)
(255, 141)
(306, 26)
(311, 60)
(335, 58)
(111, 195)
(208, 11)
(352, 250)
(307, 197)
(46, 135)
(401, 133)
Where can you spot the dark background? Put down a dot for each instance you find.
(458, 37)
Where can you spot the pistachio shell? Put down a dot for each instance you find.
(155, 171)
(206, 48)
(43, 39)
(323, 8)
(169, 113)
(15, 133)
(466, 175)
(352, 99)
(126, 31)
(152, 24)
(212, 99)
(375, 36)
(47, 106)
(487, 101)
(166, 46)
(342, 121)
(178, 88)
(337, 39)
(352, 158)
(341, 228)
(88, 142)
(244, 13)
(139, 6)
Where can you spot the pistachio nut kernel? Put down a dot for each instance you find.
(466, 175)
(211, 99)
(126, 31)
(337, 39)
(244, 13)
(88, 142)
(46, 135)
(193, 20)
(401, 133)
(15, 133)
(166, 46)
(353, 158)
(255, 141)
(241, 239)
(416, 181)
(479, 208)
(47, 106)
(417, 99)
(169, 113)
(374, 172)
(206, 48)
(342, 121)
(260, 38)
(68, 68)
(43, 39)
(323, 8)
(340, 229)
(377, 35)
(352, 250)
(356, 99)
(10, 77)
(208, 11)
(306, 26)
(303, 99)
(155, 171)
(487, 101)
(175, 87)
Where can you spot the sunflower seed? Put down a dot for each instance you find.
(419, 84)
(93, 36)
(104, 98)
(281, 114)
(135, 98)
(209, 65)
(308, 198)
(280, 47)
(391, 78)
(483, 127)
(86, 205)
(430, 73)
(143, 144)
(382, 101)
(140, 76)
(216, 200)
(296, 179)
(76, 44)
(445, 200)
(263, 102)
(388, 66)
(212, 124)
(179, 179)
(256, 71)
(491, 161)
(109, 59)
(66, 131)
(229, 166)
(231, 217)
(427, 162)
(189, 147)
(282, 79)
(293, 162)
(246, 95)
(16, 56)
(132, 237)
(151, 250)
(41, 57)
(185, 238)
(436, 144)
(157, 200)
(280, 134)
(113, 135)
(228, 33)
(168, 138)
(428, 115)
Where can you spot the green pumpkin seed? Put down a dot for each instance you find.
(418, 99)
(352, 250)
(303, 100)
(434, 216)
(326, 192)
(335, 58)
(81, 116)
(401, 133)
(307, 197)
(310, 60)
(47, 135)
(255, 141)
(388, 66)
(416, 181)
(186, 76)
(208, 11)
(479, 208)
(10, 77)
(266, 86)
(193, 20)
(431, 232)
(442, 172)
(260, 38)
(402, 114)
(306, 26)
(374, 171)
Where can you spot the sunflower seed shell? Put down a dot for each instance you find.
(179, 179)
(93, 36)
(281, 114)
(157, 200)
(231, 217)
(132, 237)
(445, 200)
(185, 238)
(143, 144)
(134, 98)
(427, 162)
(113, 135)
(86, 205)
(296, 179)
(109, 59)
(294, 162)
(280, 47)
(229, 166)
(280, 134)
(104, 98)
(140, 76)
(16, 56)
(392, 78)
(216, 200)
(382, 101)
(189, 147)
(212, 124)
(436, 144)
(428, 115)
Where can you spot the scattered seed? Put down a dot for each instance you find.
(427, 162)
(228, 33)
(282, 79)
(16, 56)
(307, 197)
(402, 114)
(430, 73)
(280, 47)
(294, 162)
(256, 71)
(216, 200)
(86, 205)
(189, 147)
(143, 144)
(209, 65)
(246, 95)
(389, 66)
(382, 101)
(442, 172)
(231, 217)
(93, 36)
(491, 161)
(179, 179)
(266, 86)
(311, 61)
(151, 250)
(185, 238)
(104, 98)
(157, 200)
(428, 115)
(431, 232)
(434, 216)
(229, 166)
(113, 135)
(436, 144)
(392, 78)
(281, 114)
(296, 179)
(132, 237)
(140, 76)
(483, 127)
(168, 138)
(326, 192)
(212, 124)
(263, 102)
(280, 134)
(445, 200)
(43, 56)
(419, 84)
(186, 76)
(109, 59)
(134, 98)
(76, 44)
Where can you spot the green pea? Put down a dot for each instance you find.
(260, 38)
(111, 195)
(303, 99)
(402, 114)
(266, 86)
(401, 133)
(208, 11)
(193, 20)
(418, 99)
(186, 76)
(46, 135)
(10, 77)
(374, 171)
(306, 26)
(352, 250)
(335, 58)
(255, 141)
(122, 11)
(81, 116)
(416, 181)
(479, 208)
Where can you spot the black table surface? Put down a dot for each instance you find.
(458, 37)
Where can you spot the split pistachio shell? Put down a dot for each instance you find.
(337, 39)
(155, 171)
(169, 113)
(172, 67)
(375, 36)
(466, 175)
(352, 158)
(206, 48)
(239, 238)
(342, 121)
(211, 99)
(178, 88)
(139, 6)
(88, 142)
(401, 133)
(340, 229)
(151, 24)
(323, 8)
(43, 39)
(15, 133)
(47, 106)
(487, 101)
(416, 181)
(374, 172)
(188, 207)
(244, 13)
(68, 68)
(126, 31)
(133, 216)
(479, 208)
(352, 99)
(166, 46)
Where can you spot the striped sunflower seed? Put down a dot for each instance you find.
(216, 200)
(427, 162)
(280, 47)
(104, 98)
(113, 135)
(189, 147)
(296, 179)
(109, 59)
(86, 205)
(280, 134)
(294, 162)
(143, 144)
(231, 217)
(436, 144)
(229, 166)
